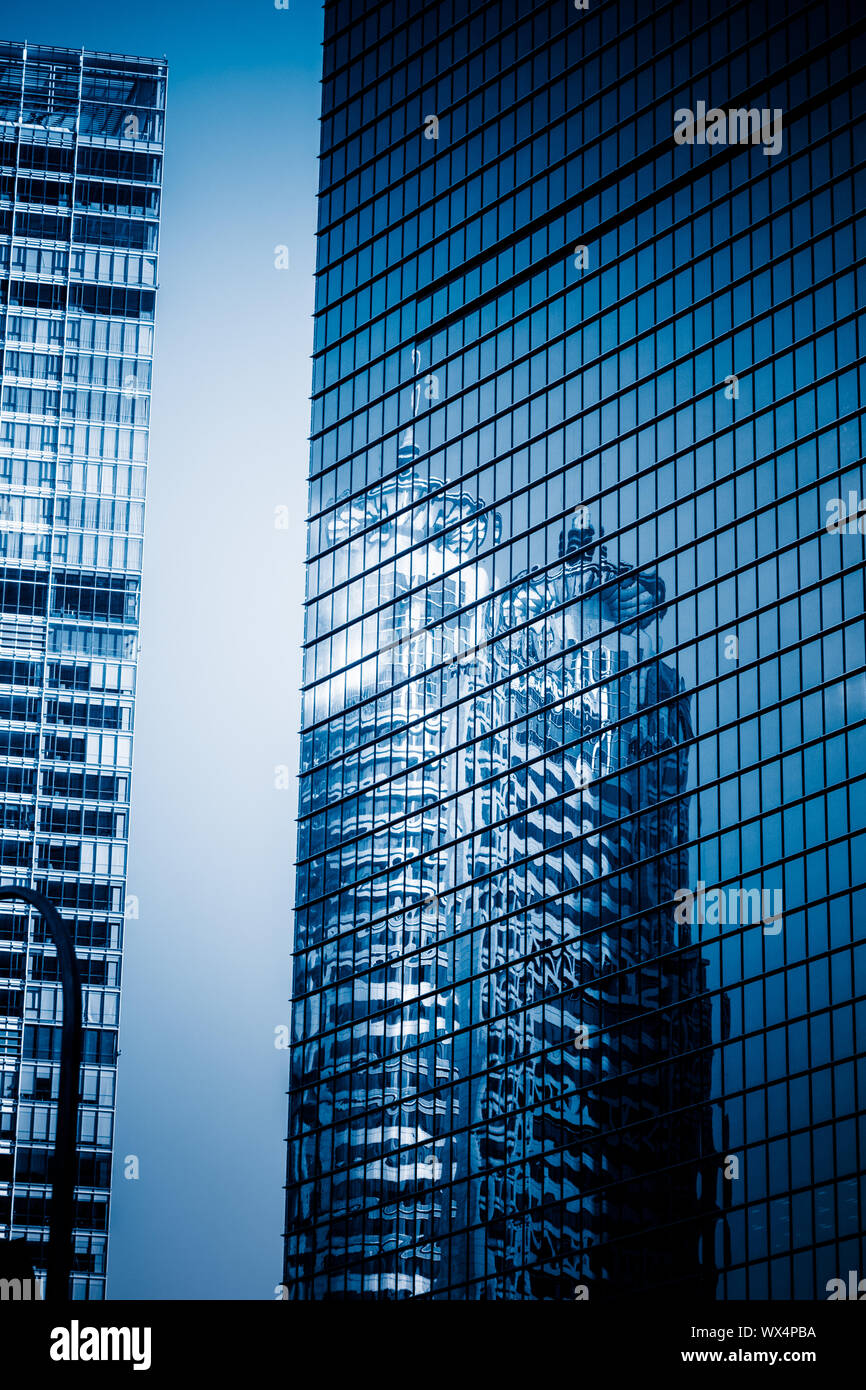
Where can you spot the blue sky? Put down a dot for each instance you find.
(201, 1089)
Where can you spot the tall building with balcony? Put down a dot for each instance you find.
(584, 671)
(81, 140)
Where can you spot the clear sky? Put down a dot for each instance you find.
(206, 977)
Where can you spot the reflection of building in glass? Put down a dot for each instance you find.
(80, 170)
(601, 1131)
(514, 1072)
(509, 884)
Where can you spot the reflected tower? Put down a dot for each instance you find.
(499, 1077)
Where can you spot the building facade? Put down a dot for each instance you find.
(81, 139)
(579, 975)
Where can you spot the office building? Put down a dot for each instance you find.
(81, 139)
(579, 969)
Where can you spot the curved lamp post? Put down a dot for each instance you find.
(59, 1261)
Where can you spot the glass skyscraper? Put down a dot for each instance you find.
(580, 957)
(81, 138)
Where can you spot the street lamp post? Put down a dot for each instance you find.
(59, 1261)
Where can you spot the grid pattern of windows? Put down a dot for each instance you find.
(80, 169)
(580, 968)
